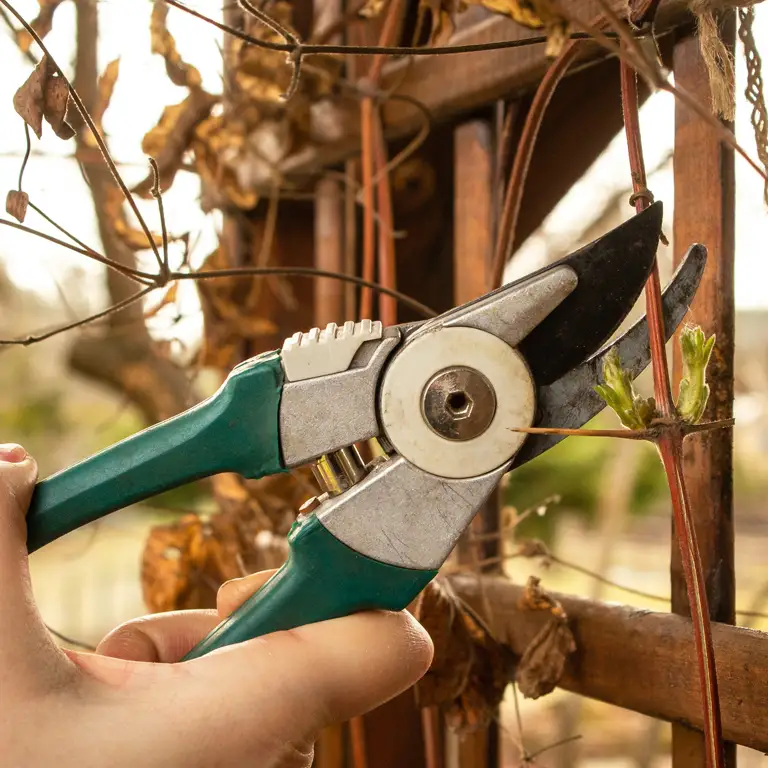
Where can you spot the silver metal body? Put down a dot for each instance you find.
(447, 456)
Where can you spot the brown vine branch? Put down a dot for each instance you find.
(670, 447)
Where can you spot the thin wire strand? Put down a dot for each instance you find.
(307, 48)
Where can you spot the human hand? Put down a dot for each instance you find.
(260, 703)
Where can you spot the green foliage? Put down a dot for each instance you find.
(618, 391)
(696, 350)
(37, 414)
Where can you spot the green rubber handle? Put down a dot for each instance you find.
(235, 430)
(322, 579)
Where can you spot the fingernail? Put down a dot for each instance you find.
(12, 453)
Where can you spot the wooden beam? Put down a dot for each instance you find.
(641, 660)
(473, 168)
(704, 212)
(449, 86)
(329, 252)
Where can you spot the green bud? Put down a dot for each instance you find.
(696, 350)
(618, 391)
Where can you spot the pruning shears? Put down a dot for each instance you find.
(445, 398)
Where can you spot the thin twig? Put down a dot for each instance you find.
(670, 447)
(34, 338)
(27, 152)
(404, 299)
(155, 192)
(307, 48)
(78, 102)
(135, 274)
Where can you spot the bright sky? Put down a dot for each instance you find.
(55, 184)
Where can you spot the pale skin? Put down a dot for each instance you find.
(258, 704)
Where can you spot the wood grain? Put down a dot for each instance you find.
(704, 212)
(641, 660)
(456, 84)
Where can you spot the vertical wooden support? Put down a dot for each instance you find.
(704, 212)
(329, 307)
(472, 252)
(329, 252)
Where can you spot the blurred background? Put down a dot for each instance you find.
(599, 505)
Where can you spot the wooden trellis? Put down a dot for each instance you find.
(635, 660)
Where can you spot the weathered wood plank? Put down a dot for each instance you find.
(473, 168)
(641, 660)
(704, 212)
(450, 85)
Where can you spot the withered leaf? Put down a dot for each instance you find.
(163, 42)
(543, 661)
(45, 94)
(168, 298)
(470, 669)
(42, 24)
(230, 308)
(534, 14)
(105, 88)
(542, 664)
(442, 14)
(55, 110)
(132, 237)
(170, 138)
(185, 562)
(16, 203)
(370, 9)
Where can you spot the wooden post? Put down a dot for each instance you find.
(329, 252)
(704, 212)
(472, 251)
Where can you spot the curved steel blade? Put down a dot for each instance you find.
(611, 273)
(571, 401)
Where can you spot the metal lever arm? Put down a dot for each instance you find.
(322, 579)
(236, 430)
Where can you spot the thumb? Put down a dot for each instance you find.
(22, 632)
(18, 473)
(317, 674)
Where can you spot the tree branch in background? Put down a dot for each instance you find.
(129, 363)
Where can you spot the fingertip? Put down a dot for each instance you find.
(233, 593)
(163, 637)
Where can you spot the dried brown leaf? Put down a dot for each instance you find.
(230, 308)
(171, 138)
(168, 298)
(185, 562)
(542, 664)
(42, 24)
(371, 9)
(534, 14)
(55, 108)
(164, 43)
(132, 237)
(16, 203)
(543, 661)
(44, 94)
(470, 669)
(442, 15)
(105, 89)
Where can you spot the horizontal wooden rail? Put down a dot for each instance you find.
(450, 85)
(641, 660)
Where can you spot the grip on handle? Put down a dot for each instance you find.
(322, 579)
(235, 430)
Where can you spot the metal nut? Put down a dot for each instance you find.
(459, 403)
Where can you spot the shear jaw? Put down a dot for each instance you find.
(450, 399)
